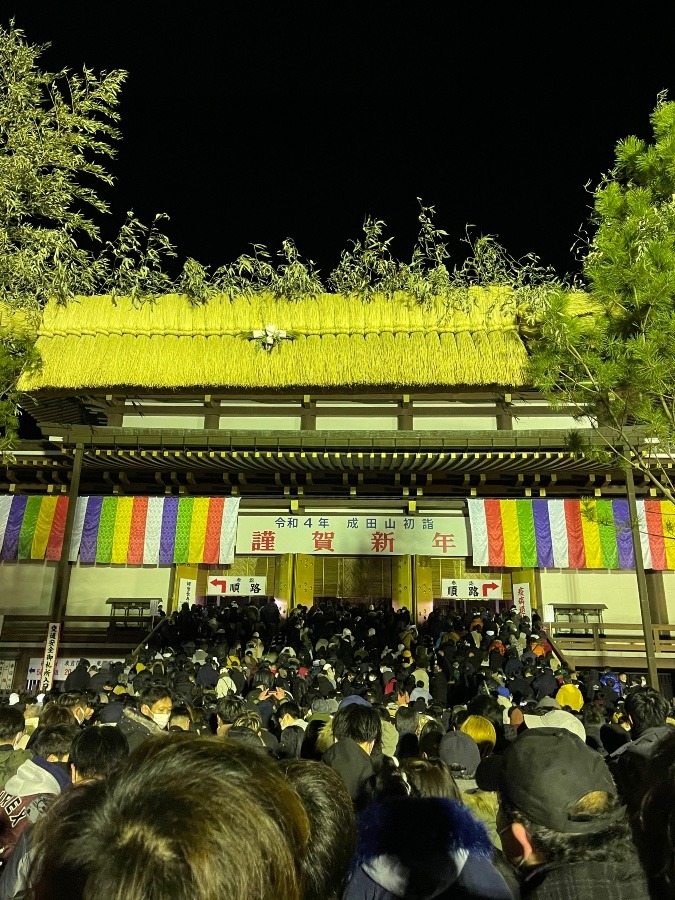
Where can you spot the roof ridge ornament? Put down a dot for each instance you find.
(269, 337)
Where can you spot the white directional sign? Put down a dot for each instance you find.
(471, 588)
(237, 586)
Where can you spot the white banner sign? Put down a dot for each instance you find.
(521, 599)
(237, 585)
(375, 535)
(471, 588)
(64, 667)
(49, 661)
(7, 667)
(187, 591)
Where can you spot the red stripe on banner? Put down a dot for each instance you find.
(575, 535)
(139, 514)
(657, 543)
(55, 542)
(495, 532)
(213, 523)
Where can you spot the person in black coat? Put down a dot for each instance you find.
(79, 678)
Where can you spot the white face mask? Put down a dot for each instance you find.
(161, 719)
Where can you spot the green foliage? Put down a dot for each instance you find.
(616, 363)
(54, 130)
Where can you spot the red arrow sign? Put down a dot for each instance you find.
(216, 581)
(490, 586)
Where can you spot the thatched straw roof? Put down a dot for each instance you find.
(91, 343)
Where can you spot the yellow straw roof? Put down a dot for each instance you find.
(336, 341)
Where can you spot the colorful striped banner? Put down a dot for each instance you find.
(154, 530)
(32, 527)
(570, 534)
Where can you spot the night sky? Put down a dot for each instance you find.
(265, 121)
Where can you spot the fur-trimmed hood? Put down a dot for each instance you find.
(423, 848)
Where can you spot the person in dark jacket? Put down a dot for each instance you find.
(152, 717)
(561, 821)
(647, 710)
(79, 678)
(357, 729)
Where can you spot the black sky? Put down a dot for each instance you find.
(255, 122)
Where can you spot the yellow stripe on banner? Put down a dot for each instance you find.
(668, 519)
(511, 532)
(590, 530)
(43, 527)
(120, 546)
(200, 515)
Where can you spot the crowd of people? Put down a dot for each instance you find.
(339, 753)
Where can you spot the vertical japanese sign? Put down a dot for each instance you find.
(521, 599)
(49, 661)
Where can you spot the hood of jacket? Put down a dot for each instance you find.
(30, 779)
(10, 760)
(447, 836)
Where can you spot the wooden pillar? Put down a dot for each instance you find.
(63, 570)
(423, 595)
(643, 592)
(283, 580)
(401, 583)
(405, 414)
(303, 581)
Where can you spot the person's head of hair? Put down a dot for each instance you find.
(248, 718)
(152, 694)
(360, 723)
(332, 827)
(95, 751)
(228, 709)
(592, 714)
(407, 720)
(289, 708)
(430, 742)
(11, 723)
(264, 679)
(55, 740)
(180, 719)
(53, 714)
(430, 778)
(186, 817)
(646, 708)
(482, 731)
(488, 707)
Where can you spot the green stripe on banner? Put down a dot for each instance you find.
(183, 526)
(106, 530)
(528, 540)
(608, 545)
(30, 517)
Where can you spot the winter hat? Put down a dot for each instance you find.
(13, 699)
(558, 719)
(459, 749)
(550, 763)
(354, 698)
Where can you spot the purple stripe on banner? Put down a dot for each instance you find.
(10, 545)
(542, 530)
(92, 518)
(168, 535)
(624, 537)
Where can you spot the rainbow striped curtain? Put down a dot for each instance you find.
(570, 534)
(155, 530)
(32, 527)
